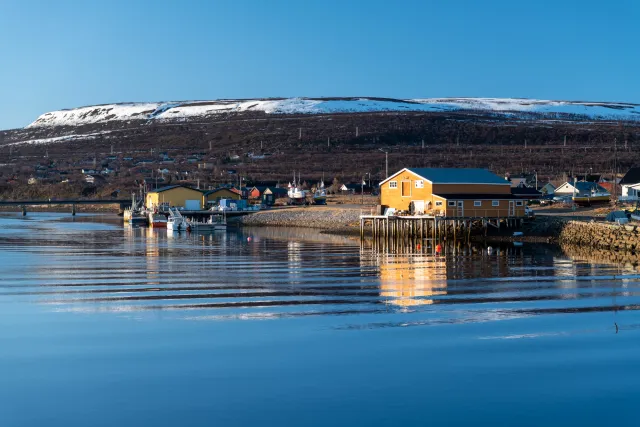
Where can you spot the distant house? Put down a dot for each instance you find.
(548, 189)
(579, 188)
(215, 195)
(630, 184)
(611, 187)
(106, 171)
(88, 171)
(90, 179)
(528, 180)
(355, 188)
(32, 181)
(231, 171)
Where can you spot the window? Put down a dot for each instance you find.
(451, 203)
(519, 203)
(477, 203)
(495, 203)
(438, 203)
(420, 184)
(393, 184)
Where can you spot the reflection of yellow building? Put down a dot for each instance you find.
(410, 280)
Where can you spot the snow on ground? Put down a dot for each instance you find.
(194, 109)
(66, 138)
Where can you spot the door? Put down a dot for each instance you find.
(406, 188)
(512, 208)
(460, 208)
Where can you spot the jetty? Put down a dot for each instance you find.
(390, 232)
(122, 203)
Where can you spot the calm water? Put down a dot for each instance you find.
(102, 325)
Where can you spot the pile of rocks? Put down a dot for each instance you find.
(601, 235)
(326, 218)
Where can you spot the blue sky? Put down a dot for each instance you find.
(65, 54)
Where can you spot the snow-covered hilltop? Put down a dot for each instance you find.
(170, 111)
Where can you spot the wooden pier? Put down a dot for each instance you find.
(392, 233)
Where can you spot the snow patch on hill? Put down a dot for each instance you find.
(184, 110)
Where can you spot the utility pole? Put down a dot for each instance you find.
(112, 149)
(299, 133)
(386, 162)
(356, 131)
(209, 145)
(328, 140)
(423, 144)
(565, 140)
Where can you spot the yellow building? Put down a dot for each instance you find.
(175, 196)
(215, 195)
(452, 192)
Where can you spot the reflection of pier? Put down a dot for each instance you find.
(411, 281)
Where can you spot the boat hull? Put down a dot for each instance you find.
(588, 201)
(319, 200)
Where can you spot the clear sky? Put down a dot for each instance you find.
(66, 53)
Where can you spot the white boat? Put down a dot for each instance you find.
(297, 196)
(134, 215)
(176, 221)
(212, 224)
(320, 196)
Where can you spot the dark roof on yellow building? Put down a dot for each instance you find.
(171, 187)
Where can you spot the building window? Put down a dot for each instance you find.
(420, 184)
(393, 184)
(438, 203)
(519, 203)
(495, 203)
(477, 203)
(451, 203)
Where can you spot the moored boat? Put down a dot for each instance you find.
(297, 196)
(320, 195)
(591, 199)
(176, 222)
(157, 220)
(215, 222)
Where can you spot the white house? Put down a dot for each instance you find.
(548, 189)
(630, 184)
(579, 188)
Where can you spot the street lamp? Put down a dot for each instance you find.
(386, 162)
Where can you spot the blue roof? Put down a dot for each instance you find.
(459, 176)
(584, 186)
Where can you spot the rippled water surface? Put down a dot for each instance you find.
(105, 325)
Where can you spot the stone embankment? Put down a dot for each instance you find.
(324, 218)
(601, 235)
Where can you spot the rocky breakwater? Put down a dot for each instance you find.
(601, 235)
(331, 219)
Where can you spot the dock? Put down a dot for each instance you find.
(392, 233)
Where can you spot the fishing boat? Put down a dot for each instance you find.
(157, 220)
(592, 199)
(297, 196)
(320, 195)
(134, 214)
(176, 222)
(214, 223)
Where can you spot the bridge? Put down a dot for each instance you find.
(124, 203)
